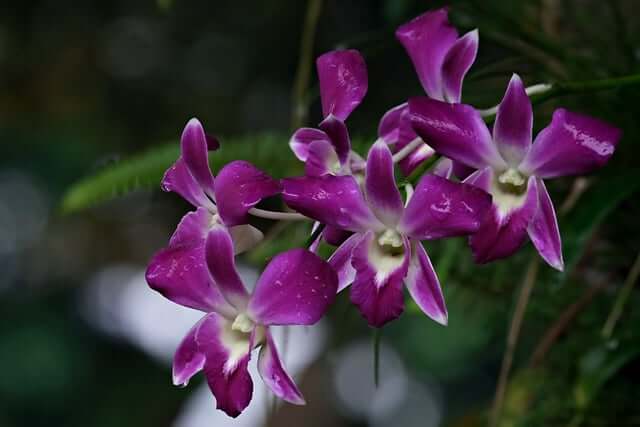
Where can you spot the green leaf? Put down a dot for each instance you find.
(144, 171)
(598, 366)
(592, 209)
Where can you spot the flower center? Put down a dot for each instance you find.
(390, 242)
(242, 323)
(512, 181)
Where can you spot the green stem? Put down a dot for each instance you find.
(377, 334)
(305, 63)
(621, 300)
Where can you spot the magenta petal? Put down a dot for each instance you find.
(427, 39)
(338, 135)
(179, 180)
(543, 230)
(377, 288)
(239, 187)
(461, 170)
(340, 261)
(332, 200)
(442, 208)
(572, 144)
(188, 359)
(410, 163)
(395, 126)
(219, 255)
(194, 149)
(454, 130)
(321, 159)
(514, 123)
(296, 288)
(443, 168)
(227, 353)
(456, 64)
(302, 138)
(179, 272)
(504, 229)
(383, 195)
(274, 375)
(424, 287)
(343, 82)
(335, 236)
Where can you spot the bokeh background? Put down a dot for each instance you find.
(87, 85)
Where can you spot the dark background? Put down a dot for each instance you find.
(85, 84)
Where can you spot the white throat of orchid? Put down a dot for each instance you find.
(386, 253)
(236, 337)
(509, 190)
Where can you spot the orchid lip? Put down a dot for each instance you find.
(390, 242)
(512, 181)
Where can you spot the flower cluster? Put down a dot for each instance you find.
(498, 199)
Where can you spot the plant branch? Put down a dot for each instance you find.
(305, 63)
(286, 216)
(512, 338)
(621, 300)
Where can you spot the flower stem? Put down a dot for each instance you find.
(512, 338)
(377, 334)
(542, 92)
(621, 300)
(286, 216)
(305, 63)
(407, 149)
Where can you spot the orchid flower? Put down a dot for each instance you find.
(296, 288)
(327, 150)
(512, 168)
(385, 250)
(343, 85)
(178, 271)
(441, 59)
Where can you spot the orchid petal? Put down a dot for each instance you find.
(454, 130)
(504, 228)
(382, 193)
(302, 138)
(338, 135)
(179, 272)
(424, 287)
(514, 123)
(321, 159)
(189, 359)
(457, 63)
(427, 39)
(178, 179)
(273, 374)
(572, 144)
(219, 255)
(340, 261)
(461, 170)
(343, 82)
(296, 288)
(410, 163)
(332, 200)
(335, 236)
(227, 353)
(395, 126)
(239, 187)
(443, 167)
(442, 208)
(543, 230)
(194, 148)
(377, 288)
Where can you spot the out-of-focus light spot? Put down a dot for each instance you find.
(358, 396)
(134, 47)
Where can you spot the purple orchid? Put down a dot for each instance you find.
(385, 249)
(178, 271)
(343, 85)
(512, 168)
(296, 288)
(441, 59)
